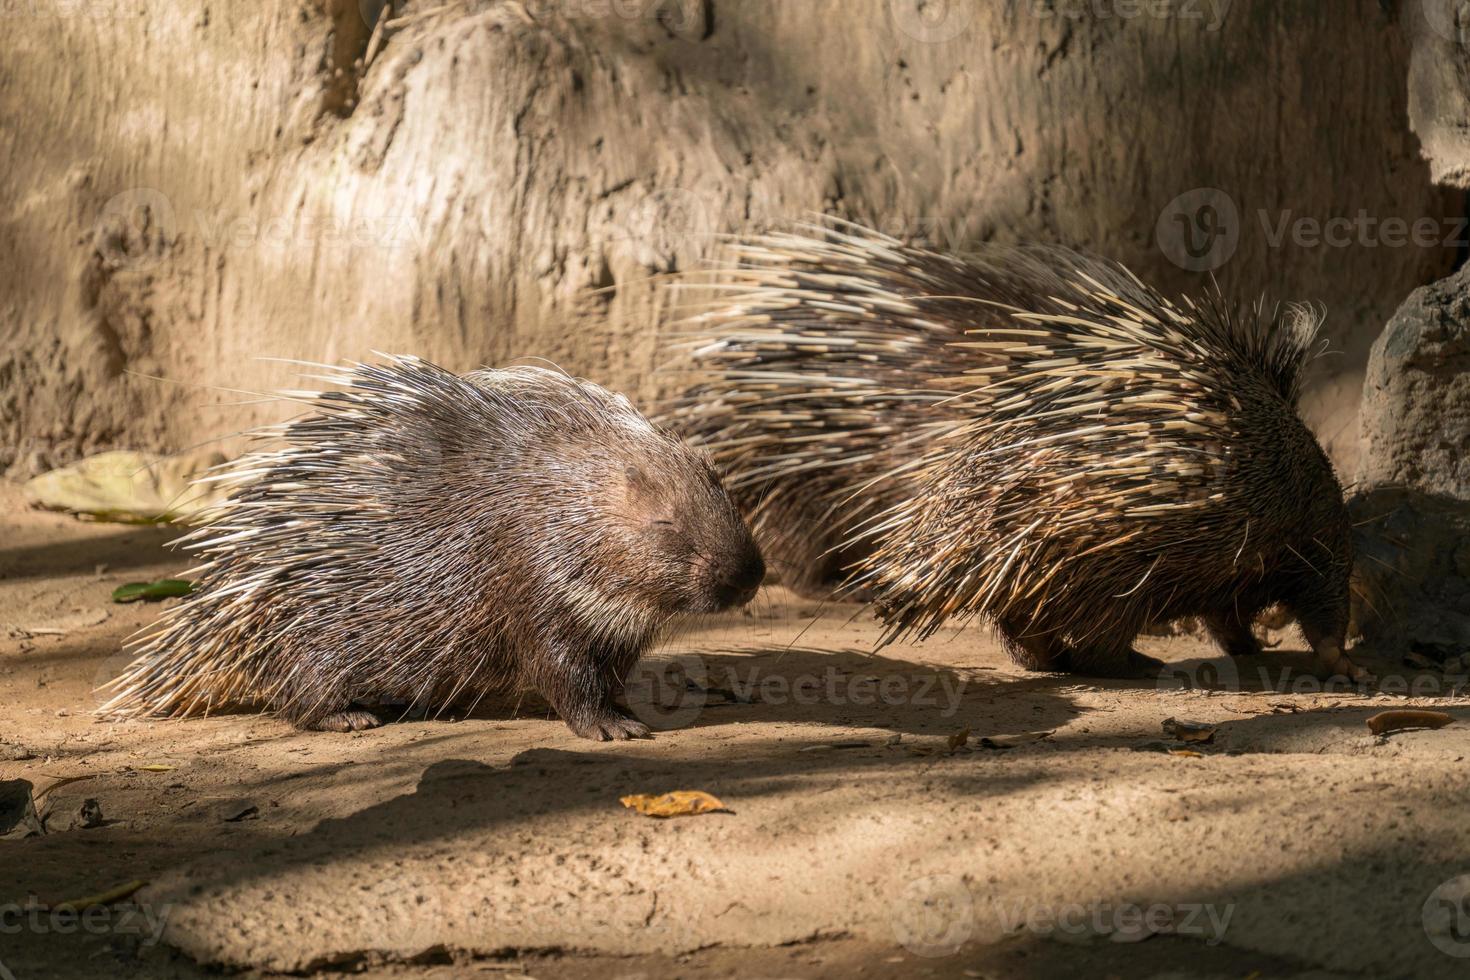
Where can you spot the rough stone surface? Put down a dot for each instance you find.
(1416, 399)
(1439, 85)
(187, 188)
(1414, 572)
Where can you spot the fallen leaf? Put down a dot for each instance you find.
(164, 588)
(233, 811)
(679, 803)
(155, 767)
(1386, 722)
(63, 781)
(101, 898)
(128, 487)
(1189, 731)
(1187, 753)
(852, 744)
(1011, 741)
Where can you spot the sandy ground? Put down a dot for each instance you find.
(863, 840)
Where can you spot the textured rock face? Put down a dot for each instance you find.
(188, 189)
(1413, 576)
(1413, 503)
(1416, 399)
(1412, 506)
(1439, 86)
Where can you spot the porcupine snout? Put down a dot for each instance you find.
(735, 578)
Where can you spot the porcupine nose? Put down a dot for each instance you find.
(741, 579)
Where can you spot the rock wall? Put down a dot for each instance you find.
(190, 187)
(1412, 505)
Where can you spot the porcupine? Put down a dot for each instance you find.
(1028, 435)
(425, 538)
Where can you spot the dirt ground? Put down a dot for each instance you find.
(868, 835)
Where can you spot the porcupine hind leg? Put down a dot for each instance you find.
(582, 690)
(1033, 650)
(316, 697)
(1112, 655)
(1232, 630)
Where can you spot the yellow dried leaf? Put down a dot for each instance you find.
(103, 898)
(155, 768)
(1187, 753)
(1387, 722)
(679, 803)
(1189, 731)
(1011, 741)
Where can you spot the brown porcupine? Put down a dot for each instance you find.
(425, 538)
(1025, 434)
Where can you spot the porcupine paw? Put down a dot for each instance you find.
(1336, 664)
(350, 720)
(609, 725)
(1131, 666)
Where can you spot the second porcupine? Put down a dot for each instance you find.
(424, 538)
(1027, 435)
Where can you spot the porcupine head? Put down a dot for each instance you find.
(423, 538)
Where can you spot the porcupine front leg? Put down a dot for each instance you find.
(581, 687)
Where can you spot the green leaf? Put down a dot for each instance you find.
(164, 588)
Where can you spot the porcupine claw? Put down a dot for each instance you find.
(351, 720)
(1332, 662)
(612, 726)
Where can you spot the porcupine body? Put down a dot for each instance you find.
(1026, 435)
(424, 538)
